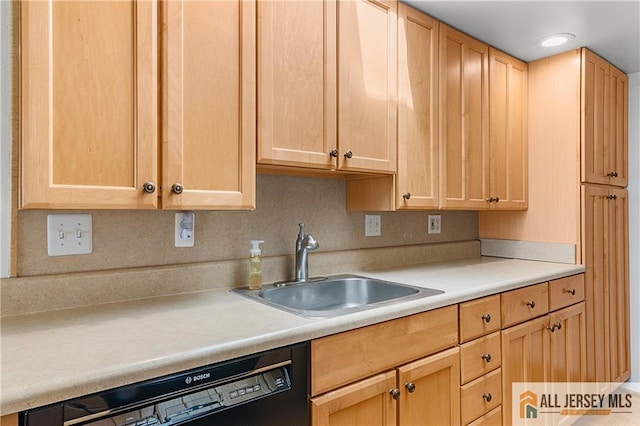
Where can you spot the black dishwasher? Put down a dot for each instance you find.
(269, 388)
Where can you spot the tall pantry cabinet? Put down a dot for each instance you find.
(577, 171)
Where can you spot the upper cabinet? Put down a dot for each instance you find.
(417, 178)
(90, 107)
(464, 85)
(328, 85)
(507, 131)
(88, 104)
(208, 87)
(604, 121)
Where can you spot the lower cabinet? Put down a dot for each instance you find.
(423, 392)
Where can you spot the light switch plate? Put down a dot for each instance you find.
(69, 234)
(434, 224)
(372, 227)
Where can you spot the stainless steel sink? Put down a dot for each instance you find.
(333, 296)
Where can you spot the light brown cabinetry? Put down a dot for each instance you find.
(464, 85)
(604, 125)
(573, 139)
(88, 104)
(507, 131)
(89, 120)
(417, 180)
(354, 375)
(549, 347)
(9, 420)
(606, 282)
(328, 85)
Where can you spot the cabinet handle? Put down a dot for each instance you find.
(487, 397)
(149, 187)
(531, 304)
(612, 197)
(348, 154)
(486, 357)
(571, 291)
(395, 393)
(177, 188)
(497, 199)
(411, 387)
(333, 153)
(406, 195)
(554, 327)
(612, 174)
(486, 317)
(490, 200)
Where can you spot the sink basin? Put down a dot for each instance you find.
(333, 296)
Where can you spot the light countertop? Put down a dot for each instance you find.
(54, 356)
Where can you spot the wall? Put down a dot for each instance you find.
(5, 137)
(126, 239)
(634, 221)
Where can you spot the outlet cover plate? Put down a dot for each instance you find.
(184, 233)
(69, 234)
(372, 227)
(434, 224)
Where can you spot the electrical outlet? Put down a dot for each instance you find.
(372, 227)
(433, 224)
(69, 234)
(184, 234)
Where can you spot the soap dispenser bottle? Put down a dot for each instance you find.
(255, 265)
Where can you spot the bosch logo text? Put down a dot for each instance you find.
(202, 376)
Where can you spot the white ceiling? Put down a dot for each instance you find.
(609, 28)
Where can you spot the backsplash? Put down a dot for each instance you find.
(127, 239)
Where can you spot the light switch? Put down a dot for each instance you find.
(69, 234)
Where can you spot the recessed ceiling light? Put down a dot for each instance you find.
(556, 39)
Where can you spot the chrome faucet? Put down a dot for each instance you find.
(304, 243)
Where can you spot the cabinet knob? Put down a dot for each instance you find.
(571, 291)
(531, 304)
(395, 393)
(612, 197)
(497, 199)
(348, 154)
(489, 200)
(487, 397)
(411, 387)
(486, 357)
(486, 317)
(406, 195)
(177, 188)
(149, 187)
(333, 153)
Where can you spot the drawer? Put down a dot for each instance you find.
(566, 291)
(346, 357)
(481, 396)
(524, 303)
(492, 418)
(480, 356)
(479, 317)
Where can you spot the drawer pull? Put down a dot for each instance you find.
(486, 317)
(487, 397)
(571, 291)
(554, 327)
(531, 304)
(486, 357)
(411, 387)
(395, 393)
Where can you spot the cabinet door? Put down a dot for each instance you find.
(464, 179)
(618, 286)
(367, 85)
(507, 131)
(365, 403)
(525, 357)
(596, 156)
(430, 390)
(297, 106)
(567, 344)
(417, 178)
(209, 104)
(619, 128)
(88, 104)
